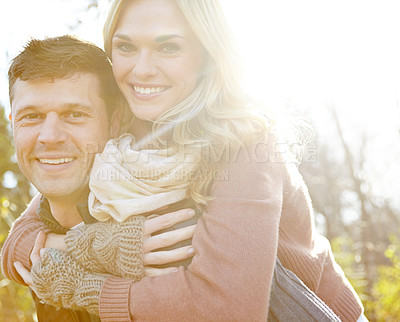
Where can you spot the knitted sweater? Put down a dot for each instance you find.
(261, 208)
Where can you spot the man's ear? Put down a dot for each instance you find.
(115, 123)
(10, 117)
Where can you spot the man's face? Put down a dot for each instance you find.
(58, 127)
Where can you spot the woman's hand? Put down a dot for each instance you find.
(151, 243)
(128, 249)
(59, 280)
(169, 238)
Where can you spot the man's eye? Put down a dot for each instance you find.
(169, 48)
(32, 116)
(76, 114)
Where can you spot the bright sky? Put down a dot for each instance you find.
(305, 54)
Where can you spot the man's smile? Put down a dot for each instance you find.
(56, 161)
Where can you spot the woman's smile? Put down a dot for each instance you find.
(149, 90)
(143, 92)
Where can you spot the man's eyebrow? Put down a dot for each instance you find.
(25, 108)
(75, 105)
(66, 106)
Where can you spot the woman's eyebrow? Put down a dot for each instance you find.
(157, 39)
(167, 37)
(121, 36)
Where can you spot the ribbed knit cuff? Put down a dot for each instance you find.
(22, 253)
(346, 306)
(307, 270)
(114, 300)
(25, 245)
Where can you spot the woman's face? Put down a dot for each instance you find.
(157, 59)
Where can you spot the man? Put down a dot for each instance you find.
(60, 119)
(64, 108)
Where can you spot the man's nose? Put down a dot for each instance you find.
(145, 65)
(52, 130)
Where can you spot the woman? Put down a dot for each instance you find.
(174, 63)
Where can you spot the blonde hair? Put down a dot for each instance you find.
(217, 114)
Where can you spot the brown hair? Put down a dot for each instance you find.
(61, 57)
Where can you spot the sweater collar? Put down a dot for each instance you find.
(45, 215)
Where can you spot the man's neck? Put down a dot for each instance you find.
(66, 213)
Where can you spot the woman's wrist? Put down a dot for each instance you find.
(56, 241)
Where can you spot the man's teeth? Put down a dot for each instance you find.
(56, 161)
(149, 90)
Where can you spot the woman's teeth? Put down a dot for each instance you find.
(149, 90)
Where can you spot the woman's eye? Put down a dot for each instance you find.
(170, 48)
(125, 47)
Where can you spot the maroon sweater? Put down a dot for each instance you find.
(260, 208)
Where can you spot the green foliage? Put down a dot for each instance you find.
(347, 255)
(383, 304)
(386, 290)
(16, 302)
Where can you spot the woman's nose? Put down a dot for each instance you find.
(145, 65)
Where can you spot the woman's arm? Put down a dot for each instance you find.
(20, 241)
(307, 254)
(127, 249)
(235, 245)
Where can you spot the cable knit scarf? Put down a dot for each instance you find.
(126, 182)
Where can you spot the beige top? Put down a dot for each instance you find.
(126, 182)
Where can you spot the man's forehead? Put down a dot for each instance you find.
(49, 79)
(68, 90)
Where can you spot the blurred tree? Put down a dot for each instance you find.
(386, 290)
(350, 216)
(15, 301)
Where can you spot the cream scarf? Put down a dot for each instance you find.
(126, 182)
